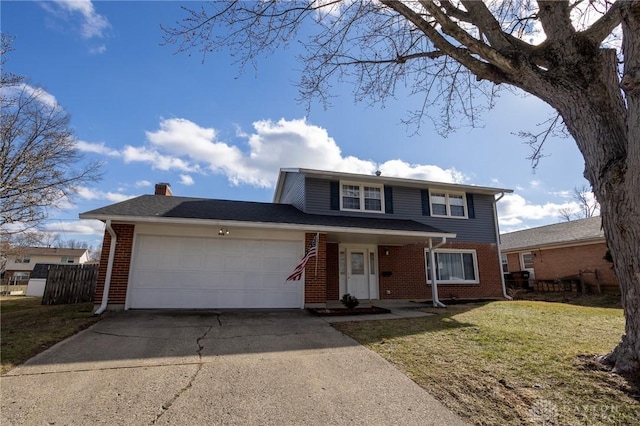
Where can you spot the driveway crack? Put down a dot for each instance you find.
(173, 399)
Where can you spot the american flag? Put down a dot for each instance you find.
(299, 269)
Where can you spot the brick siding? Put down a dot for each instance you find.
(121, 265)
(333, 271)
(403, 274)
(315, 289)
(554, 263)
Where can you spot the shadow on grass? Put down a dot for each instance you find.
(440, 320)
(613, 301)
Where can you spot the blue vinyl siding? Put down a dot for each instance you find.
(407, 204)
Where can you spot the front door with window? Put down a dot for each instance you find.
(359, 269)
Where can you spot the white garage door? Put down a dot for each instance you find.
(188, 272)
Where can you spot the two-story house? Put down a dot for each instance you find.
(20, 261)
(377, 238)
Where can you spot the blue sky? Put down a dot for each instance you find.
(214, 130)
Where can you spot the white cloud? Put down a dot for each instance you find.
(27, 91)
(513, 209)
(92, 24)
(98, 148)
(157, 160)
(535, 183)
(186, 180)
(81, 227)
(399, 168)
(96, 194)
(97, 50)
(184, 146)
(143, 184)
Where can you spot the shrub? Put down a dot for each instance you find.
(350, 301)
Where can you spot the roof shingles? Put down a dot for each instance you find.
(244, 211)
(574, 231)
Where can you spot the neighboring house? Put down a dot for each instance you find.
(567, 251)
(21, 261)
(376, 235)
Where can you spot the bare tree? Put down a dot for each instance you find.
(71, 244)
(95, 253)
(455, 54)
(40, 162)
(588, 206)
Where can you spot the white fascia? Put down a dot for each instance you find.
(269, 225)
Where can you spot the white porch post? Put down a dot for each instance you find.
(434, 283)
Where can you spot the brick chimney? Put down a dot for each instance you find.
(163, 188)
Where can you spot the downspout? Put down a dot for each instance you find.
(495, 222)
(434, 283)
(107, 279)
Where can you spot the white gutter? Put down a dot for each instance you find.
(107, 279)
(495, 222)
(270, 225)
(434, 283)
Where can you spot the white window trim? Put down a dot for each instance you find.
(448, 206)
(65, 260)
(362, 185)
(504, 261)
(463, 282)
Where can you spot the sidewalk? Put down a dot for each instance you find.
(398, 308)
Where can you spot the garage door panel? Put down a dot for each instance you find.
(192, 299)
(194, 272)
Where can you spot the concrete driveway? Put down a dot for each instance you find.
(205, 367)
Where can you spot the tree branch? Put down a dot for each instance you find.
(482, 69)
(602, 28)
(474, 45)
(555, 17)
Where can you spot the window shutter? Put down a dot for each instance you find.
(424, 194)
(334, 195)
(388, 199)
(471, 211)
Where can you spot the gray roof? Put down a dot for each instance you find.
(41, 270)
(51, 251)
(575, 231)
(159, 206)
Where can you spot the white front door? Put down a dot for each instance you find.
(359, 268)
(357, 274)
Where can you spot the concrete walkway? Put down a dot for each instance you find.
(202, 368)
(398, 308)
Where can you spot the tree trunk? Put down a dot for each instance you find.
(621, 217)
(585, 90)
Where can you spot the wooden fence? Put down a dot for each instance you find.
(70, 284)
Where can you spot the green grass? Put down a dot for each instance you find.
(28, 328)
(514, 363)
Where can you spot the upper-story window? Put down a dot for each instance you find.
(66, 259)
(361, 197)
(448, 204)
(23, 259)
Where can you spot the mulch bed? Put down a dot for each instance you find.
(373, 310)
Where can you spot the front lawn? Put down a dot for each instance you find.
(28, 328)
(520, 362)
